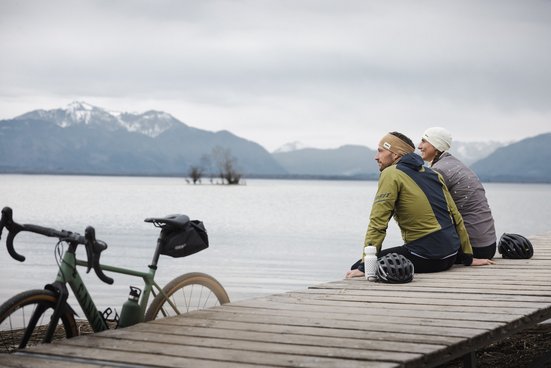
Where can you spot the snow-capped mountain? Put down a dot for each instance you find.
(85, 139)
(151, 123)
(470, 152)
(291, 146)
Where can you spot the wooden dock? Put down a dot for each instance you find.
(346, 323)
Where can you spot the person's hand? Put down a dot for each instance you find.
(354, 273)
(482, 262)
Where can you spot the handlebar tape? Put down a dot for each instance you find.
(11, 249)
(13, 228)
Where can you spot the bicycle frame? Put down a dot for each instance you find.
(164, 302)
(68, 274)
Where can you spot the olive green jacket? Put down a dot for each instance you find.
(421, 204)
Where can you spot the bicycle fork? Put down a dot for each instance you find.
(61, 304)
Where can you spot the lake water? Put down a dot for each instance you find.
(267, 236)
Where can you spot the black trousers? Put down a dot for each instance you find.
(487, 252)
(421, 265)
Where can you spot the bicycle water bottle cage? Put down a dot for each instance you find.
(174, 221)
(111, 322)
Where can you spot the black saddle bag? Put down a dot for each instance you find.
(184, 241)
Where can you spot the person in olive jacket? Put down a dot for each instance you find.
(432, 228)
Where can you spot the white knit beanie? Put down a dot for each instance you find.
(440, 138)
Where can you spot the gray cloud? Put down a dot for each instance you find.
(325, 72)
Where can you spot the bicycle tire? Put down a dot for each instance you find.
(16, 311)
(183, 292)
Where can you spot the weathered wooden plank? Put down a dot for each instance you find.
(448, 285)
(141, 357)
(236, 351)
(381, 310)
(497, 280)
(513, 263)
(414, 287)
(280, 347)
(366, 317)
(462, 280)
(319, 339)
(408, 307)
(38, 361)
(426, 300)
(348, 349)
(538, 268)
(437, 354)
(424, 326)
(344, 342)
(337, 334)
(368, 292)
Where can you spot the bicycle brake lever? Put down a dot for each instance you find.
(93, 250)
(13, 229)
(99, 247)
(90, 236)
(11, 249)
(3, 220)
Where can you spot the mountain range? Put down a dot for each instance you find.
(85, 139)
(528, 160)
(346, 161)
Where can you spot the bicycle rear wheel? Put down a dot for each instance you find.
(15, 315)
(189, 292)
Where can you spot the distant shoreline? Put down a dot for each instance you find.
(511, 179)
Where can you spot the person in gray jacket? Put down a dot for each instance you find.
(465, 188)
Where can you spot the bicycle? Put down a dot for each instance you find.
(42, 315)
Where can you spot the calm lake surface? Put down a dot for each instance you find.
(267, 236)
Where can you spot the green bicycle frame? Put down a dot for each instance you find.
(68, 274)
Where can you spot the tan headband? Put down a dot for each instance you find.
(395, 145)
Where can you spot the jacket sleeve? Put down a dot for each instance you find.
(466, 251)
(382, 209)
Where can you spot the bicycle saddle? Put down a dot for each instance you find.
(174, 220)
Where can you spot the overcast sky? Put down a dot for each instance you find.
(325, 73)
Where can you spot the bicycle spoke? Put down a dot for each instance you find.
(199, 299)
(188, 293)
(207, 299)
(192, 297)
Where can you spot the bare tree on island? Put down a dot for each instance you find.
(220, 162)
(195, 173)
(226, 165)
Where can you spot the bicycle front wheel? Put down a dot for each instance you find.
(186, 293)
(16, 313)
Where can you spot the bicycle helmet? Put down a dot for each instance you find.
(394, 268)
(515, 246)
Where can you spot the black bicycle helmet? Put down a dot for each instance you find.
(394, 268)
(515, 246)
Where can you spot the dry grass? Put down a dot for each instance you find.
(528, 349)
